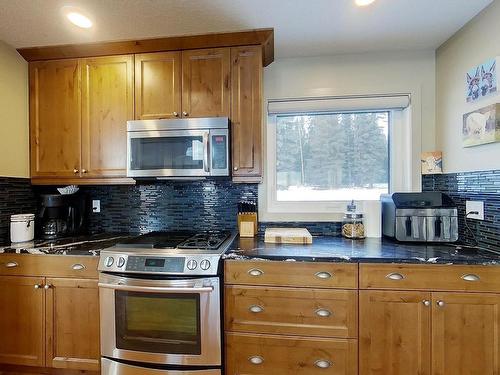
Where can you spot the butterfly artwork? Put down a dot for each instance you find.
(482, 80)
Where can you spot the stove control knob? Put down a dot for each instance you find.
(191, 265)
(109, 261)
(205, 264)
(121, 262)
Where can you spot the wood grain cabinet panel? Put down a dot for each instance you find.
(49, 265)
(72, 319)
(55, 118)
(299, 274)
(465, 334)
(22, 310)
(158, 85)
(107, 104)
(246, 112)
(206, 83)
(250, 354)
(394, 333)
(291, 311)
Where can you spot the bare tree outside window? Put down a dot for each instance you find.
(332, 157)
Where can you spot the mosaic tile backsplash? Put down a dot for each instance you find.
(199, 205)
(483, 186)
(16, 197)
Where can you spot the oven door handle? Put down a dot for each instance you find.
(155, 289)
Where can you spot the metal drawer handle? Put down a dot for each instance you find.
(471, 277)
(323, 275)
(324, 313)
(395, 276)
(323, 363)
(255, 272)
(256, 360)
(256, 309)
(78, 267)
(11, 264)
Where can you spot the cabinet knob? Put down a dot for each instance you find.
(256, 360)
(323, 313)
(84, 171)
(175, 114)
(426, 302)
(256, 309)
(75, 171)
(255, 272)
(185, 114)
(323, 275)
(11, 264)
(440, 303)
(235, 168)
(322, 363)
(47, 286)
(37, 286)
(471, 277)
(395, 276)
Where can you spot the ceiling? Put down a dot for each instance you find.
(302, 27)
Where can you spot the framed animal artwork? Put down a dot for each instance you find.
(481, 126)
(482, 80)
(432, 162)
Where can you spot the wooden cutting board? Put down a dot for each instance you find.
(288, 235)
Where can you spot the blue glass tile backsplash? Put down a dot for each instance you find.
(483, 186)
(145, 207)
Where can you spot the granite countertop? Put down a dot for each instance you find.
(90, 245)
(369, 250)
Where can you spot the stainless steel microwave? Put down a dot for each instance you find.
(178, 148)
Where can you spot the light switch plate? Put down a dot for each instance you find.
(96, 206)
(475, 206)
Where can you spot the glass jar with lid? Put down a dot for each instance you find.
(353, 225)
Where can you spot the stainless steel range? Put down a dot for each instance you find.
(160, 296)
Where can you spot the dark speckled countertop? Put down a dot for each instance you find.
(369, 250)
(80, 245)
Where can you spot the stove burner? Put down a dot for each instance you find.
(205, 241)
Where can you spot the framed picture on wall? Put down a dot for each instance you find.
(481, 126)
(481, 80)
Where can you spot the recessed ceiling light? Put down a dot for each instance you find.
(79, 20)
(363, 3)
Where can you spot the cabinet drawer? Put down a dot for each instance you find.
(285, 355)
(291, 311)
(430, 277)
(301, 274)
(49, 265)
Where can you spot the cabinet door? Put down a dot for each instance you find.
(205, 82)
(246, 111)
(394, 333)
(158, 85)
(55, 118)
(107, 102)
(22, 309)
(465, 334)
(72, 321)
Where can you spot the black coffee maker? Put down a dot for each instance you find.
(62, 215)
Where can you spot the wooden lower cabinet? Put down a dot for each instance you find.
(465, 334)
(394, 333)
(22, 308)
(254, 354)
(72, 321)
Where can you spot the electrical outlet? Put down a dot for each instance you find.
(475, 206)
(96, 205)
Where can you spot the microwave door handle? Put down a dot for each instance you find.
(153, 289)
(206, 153)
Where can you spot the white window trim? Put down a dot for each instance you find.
(405, 141)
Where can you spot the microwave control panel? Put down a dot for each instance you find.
(219, 151)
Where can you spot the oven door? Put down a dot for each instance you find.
(168, 153)
(171, 322)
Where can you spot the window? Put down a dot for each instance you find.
(332, 156)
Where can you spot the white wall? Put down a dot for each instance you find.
(474, 43)
(14, 128)
(358, 74)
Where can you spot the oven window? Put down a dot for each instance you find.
(167, 153)
(158, 323)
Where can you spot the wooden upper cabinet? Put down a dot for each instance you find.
(246, 112)
(72, 319)
(394, 333)
(107, 104)
(55, 118)
(158, 85)
(206, 83)
(465, 334)
(22, 325)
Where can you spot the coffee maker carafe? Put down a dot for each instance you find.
(61, 215)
